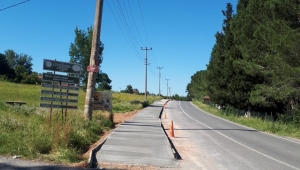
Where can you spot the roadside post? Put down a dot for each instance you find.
(171, 132)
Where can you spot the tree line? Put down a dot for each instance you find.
(255, 62)
(17, 68)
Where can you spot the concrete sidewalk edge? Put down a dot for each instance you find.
(92, 161)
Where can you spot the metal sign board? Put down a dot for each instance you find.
(60, 87)
(102, 101)
(56, 77)
(58, 106)
(92, 69)
(61, 66)
(59, 100)
(59, 93)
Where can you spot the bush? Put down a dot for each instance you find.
(145, 104)
(135, 102)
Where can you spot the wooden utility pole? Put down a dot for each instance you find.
(159, 68)
(89, 99)
(146, 63)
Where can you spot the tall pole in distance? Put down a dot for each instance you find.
(167, 87)
(88, 107)
(159, 79)
(170, 92)
(146, 63)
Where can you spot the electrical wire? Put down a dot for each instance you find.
(135, 23)
(125, 19)
(146, 32)
(124, 34)
(130, 25)
(143, 21)
(14, 5)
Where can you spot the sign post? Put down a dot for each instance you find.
(57, 83)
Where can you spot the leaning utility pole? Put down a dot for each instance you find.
(167, 87)
(159, 79)
(89, 99)
(146, 63)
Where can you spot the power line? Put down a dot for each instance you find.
(145, 31)
(14, 5)
(130, 25)
(143, 21)
(135, 23)
(124, 34)
(127, 27)
(123, 21)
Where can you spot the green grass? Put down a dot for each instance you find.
(278, 128)
(122, 102)
(27, 130)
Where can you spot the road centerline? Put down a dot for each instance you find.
(274, 159)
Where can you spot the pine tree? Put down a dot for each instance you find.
(197, 88)
(266, 35)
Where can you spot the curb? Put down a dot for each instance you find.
(175, 153)
(92, 160)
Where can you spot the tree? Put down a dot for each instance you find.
(19, 60)
(237, 86)
(104, 82)
(32, 79)
(80, 52)
(129, 89)
(20, 64)
(198, 85)
(267, 34)
(217, 86)
(5, 70)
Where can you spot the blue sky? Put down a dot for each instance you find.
(181, 34)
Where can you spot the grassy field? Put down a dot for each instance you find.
(27, 131)
(122, 102)
(278, 128)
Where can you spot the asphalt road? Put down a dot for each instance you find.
(210, 142)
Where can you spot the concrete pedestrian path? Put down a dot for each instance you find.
(140, 141)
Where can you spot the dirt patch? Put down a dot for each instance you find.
(118, 119)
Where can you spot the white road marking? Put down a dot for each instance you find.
(239, 142)
(245, 126)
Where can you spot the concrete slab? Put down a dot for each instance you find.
(139, 141)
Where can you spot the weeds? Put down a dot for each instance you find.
(27, 130)
(31, 134)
